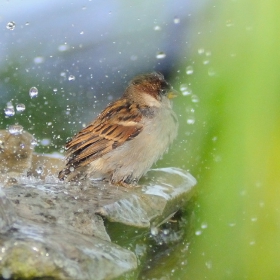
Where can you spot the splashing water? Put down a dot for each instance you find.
(15, 129)
(11, 25)
(33, 92)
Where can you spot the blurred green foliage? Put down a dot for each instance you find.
(234, 149)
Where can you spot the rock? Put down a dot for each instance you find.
(164, 192)
(56, 204)
(31, 250)
(7, 214)
(53, 229)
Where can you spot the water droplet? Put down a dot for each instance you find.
(55, 90)
(204, 225)
(160, 55)
(34, 142)
(206, 61)
(63, 48)
(195, 98)
(185, 89)
(154, 230)
(9, 112)
(45, 142)
(15, 129)
(189, 110)
(11, 25)
(157, 28)
(208, 53)
(198, 232)
(39, 170)
(189, 70)
(33, 92)
(71, 78)
(208, 264)
(187, 92)
(38, 59)
(200, 51)
(71, 169)
(9, 105)
(191, 120)
(176, 20)
(165, 231)
(20, 107)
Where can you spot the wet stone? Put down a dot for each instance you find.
(56, 204)
(7, 213)
(31, 251)
(50, 228)
(164, 192)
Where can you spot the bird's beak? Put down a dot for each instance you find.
(172, 94)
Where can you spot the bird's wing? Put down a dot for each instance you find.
(118, 123)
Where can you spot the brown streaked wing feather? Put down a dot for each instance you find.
(110, 130)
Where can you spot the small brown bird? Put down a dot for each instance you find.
(127, 137)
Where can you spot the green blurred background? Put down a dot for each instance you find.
(237, 143)
(229, 135)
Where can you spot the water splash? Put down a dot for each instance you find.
(20, 107)
(71, 78)
(160, 55)
(189, 70)
(33, 92)
(185, 89)
(157, 28)
(11, 25)
(9, 112)
(176, 20)
(15, 129)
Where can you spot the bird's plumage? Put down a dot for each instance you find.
(113, 145)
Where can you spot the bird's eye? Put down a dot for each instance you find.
(163, 91)
(165, 88)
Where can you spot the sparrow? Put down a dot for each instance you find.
(127, 137)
